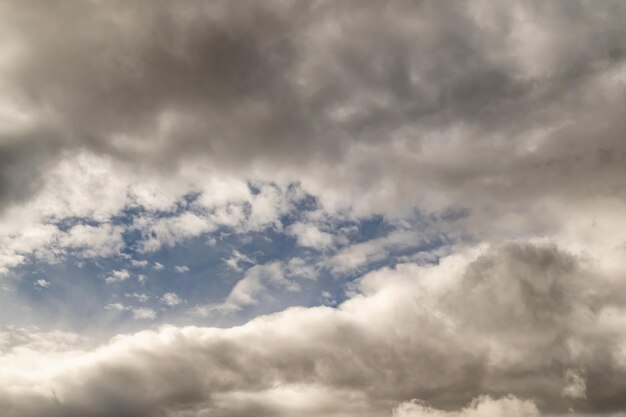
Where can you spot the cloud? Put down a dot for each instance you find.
(139, 263)
(171, 299)
(141, 297)
(171, 230)
(481, 407)
(41, 283)
(94, 241)
(117, 276)
(143, 313)
(424, 162)
(348, 106)
(237, 258)
(501, 120)
(309, 235)
(576, 385)
(115, 306)
(298, 268)
(138, 313)
(256, 282)
(355, 257)
(432, 333)
(181, 269)
(49, 243)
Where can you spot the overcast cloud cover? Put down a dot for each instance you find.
(312, 208)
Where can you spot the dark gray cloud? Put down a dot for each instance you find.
(407, 102)
(525, 320)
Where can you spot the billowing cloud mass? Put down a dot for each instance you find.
(312, 208)
(508, 330)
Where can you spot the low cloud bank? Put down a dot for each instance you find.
(524, 320)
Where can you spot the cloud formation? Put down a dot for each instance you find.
(485, 137)
(481, 407)
(512, 111)
(550, 341)
(377, 106)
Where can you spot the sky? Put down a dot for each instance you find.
(310, 208)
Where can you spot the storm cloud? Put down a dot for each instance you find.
(428, 103)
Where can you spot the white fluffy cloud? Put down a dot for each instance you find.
(117, 276)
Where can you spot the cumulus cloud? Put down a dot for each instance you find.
(299, 268)
(50, 243)
(310, 236)
(171, 299)
(435, 334)
(117, 276)
(100, 241)
(139, 263)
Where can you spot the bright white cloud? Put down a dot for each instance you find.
(138, 313)
(93, 241)
(117, 276)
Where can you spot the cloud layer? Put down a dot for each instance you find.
(511, 111)
(485, 136)
(525, 320)
(378, 106)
